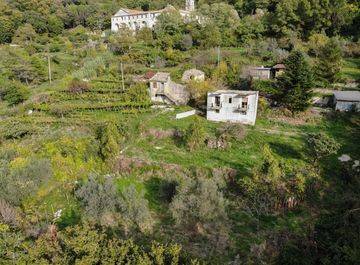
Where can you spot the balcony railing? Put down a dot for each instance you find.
(242, 110)
(215, 106)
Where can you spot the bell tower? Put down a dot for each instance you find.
(190, 5)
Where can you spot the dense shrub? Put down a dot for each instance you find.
(8, 214)
(232, 132)
(134, 210)
(100, 199)
(16, 93)
(105, 205)
(321, 145)
(109, 139)
(16, 129)
(275, 187)
(77, 86)
(199, 90)
(23, 178)
(195, 135)
(85, 244)
(197, 203)
(137, 93)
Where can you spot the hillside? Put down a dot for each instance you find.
(93, 172)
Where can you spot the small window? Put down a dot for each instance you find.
(230, 100)
(244, 105)
(155, 84)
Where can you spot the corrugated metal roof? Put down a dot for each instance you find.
(353, 96)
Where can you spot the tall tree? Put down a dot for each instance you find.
(295, 86)
(329, 62)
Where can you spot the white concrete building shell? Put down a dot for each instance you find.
(233, 106)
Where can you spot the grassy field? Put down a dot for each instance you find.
(68, 142)
(62, 130)
(351, 69)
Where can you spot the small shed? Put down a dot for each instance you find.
(278, 69)
(193, 75)
(347, 100)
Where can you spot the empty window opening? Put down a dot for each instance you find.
(217, 101)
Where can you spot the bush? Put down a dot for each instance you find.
(276, 187)
(321, 145)
(197, 203)
(60, 110)
(16, 93)
(100, 199)
(199, 90)
(86, 244)
(195, 135)
(109, 138)
(232, 132)
(103, 204)
(8, 214)
(138, 93)
(134, 210)
(16, 130)
(77, 86)
(23, 178)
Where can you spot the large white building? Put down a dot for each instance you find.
(233, 106)
(137, 19)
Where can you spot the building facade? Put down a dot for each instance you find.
(137, 19)
(233, 106)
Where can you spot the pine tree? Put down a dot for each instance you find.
(329, 62)
(295, 86)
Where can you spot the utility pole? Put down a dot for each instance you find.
(49, 64)
(122, 76)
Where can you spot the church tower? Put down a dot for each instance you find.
(190, 5)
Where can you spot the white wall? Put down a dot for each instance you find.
(347, 106)
(185, 114)
(226, 112)
(134, 22)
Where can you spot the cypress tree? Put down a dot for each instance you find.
(295, 85)
(329, 62)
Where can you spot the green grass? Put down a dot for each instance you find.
(351, 69)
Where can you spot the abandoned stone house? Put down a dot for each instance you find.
(260, 73)
(193, 75)
(233, 106)
(137, 19)
(347, 100)
(164, 90)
